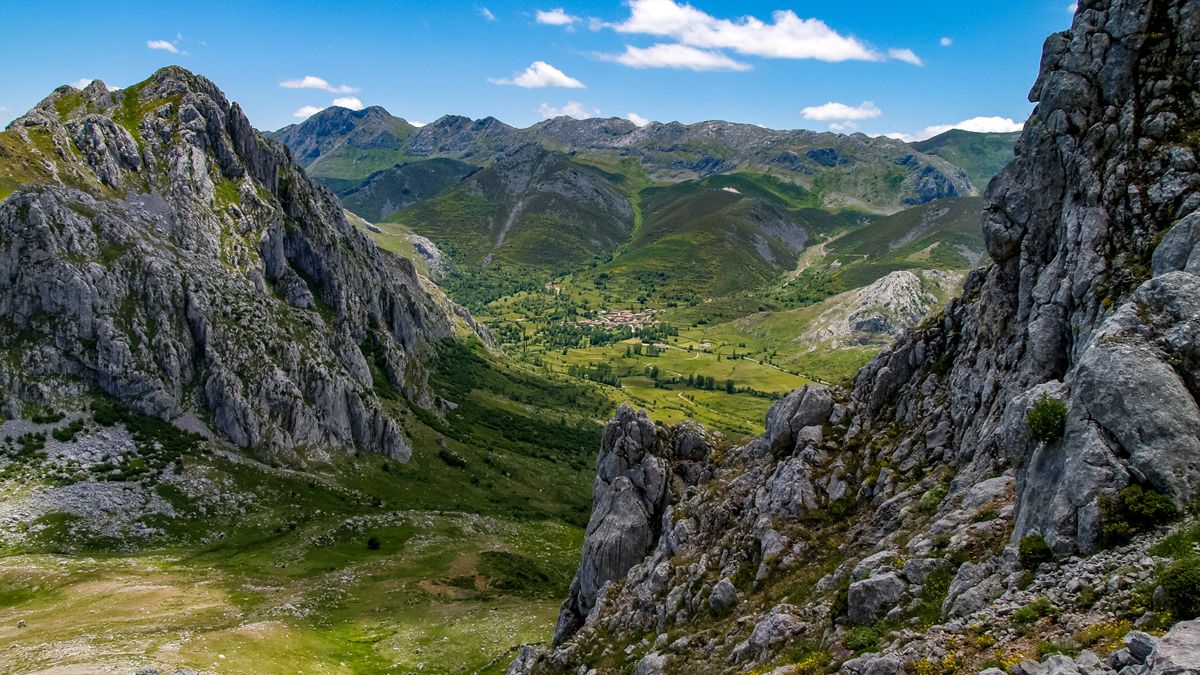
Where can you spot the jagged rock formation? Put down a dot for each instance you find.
(878, 313)
(901, 500)
(638, 464)
(182, 263)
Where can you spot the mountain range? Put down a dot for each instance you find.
(891, 422)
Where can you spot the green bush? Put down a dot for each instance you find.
(1181, 582)
(1034, 551)
(931, 499)
(1035, 610)
(1047, 419)
(1131, 511)
(861, 639)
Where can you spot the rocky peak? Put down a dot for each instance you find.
(174, 258)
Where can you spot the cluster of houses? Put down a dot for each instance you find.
(621, 318)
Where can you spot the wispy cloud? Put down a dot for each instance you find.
(314, 82)
(82, 82)
(674, 56)
(840, 112)
(350, 102)
(487, 14)
(307, 112)
(787, 36)
(570, 109)
(540, 74)
(164, 45)
(905, 55)
(556, 17)
(946, 41)
(994, 124)
(637, 119)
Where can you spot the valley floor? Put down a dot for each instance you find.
(314, 602)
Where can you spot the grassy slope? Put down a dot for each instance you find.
(478, 536)
(385, 192)
(980, 155)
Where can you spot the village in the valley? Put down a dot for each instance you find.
(623, 317)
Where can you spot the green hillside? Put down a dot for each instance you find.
(385, 192)
(980, 155)
(534, 208)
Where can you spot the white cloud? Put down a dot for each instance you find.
(82, 82)
(637, 119)
(5, 109)
(674, 56)
(313, 82)
(350, 102)
(840, 112)
(946, 41)
(556, 17)
(906, 55)
(307, 112)
(1073, 7)
(571, 109)
(541, 74)
(977, 124)
(163, 45)
(487, 14)
(786, 37)
(417, 124)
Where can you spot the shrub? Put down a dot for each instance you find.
(1181, 582)
(931, 499)
(1047, 419)
(1035, 610)
(1034, 551)
(373, 543)
(1131, 511)
(861, 639)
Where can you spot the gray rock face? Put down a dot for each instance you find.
(186, 264)
(627, 502)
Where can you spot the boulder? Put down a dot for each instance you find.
(870, 599)
(724, 596)
(1177, 652)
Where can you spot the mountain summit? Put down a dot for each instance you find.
(174, 259)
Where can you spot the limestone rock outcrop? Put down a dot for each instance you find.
(182, 263)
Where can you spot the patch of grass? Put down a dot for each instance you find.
(1038, 609)
(862, 639)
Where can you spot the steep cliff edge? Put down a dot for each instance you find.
(1053, 406)
(164, 253)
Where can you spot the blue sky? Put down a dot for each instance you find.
(874, 66)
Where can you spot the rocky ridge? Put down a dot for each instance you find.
(853, 168)
(182, 263)
(886, 517)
